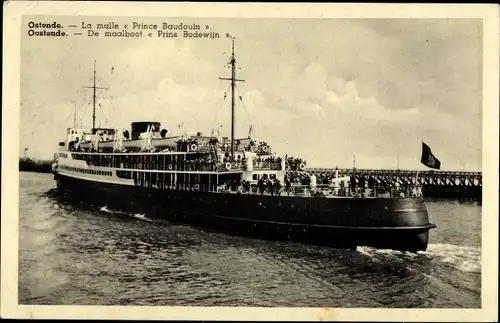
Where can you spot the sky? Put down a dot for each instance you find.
(321, 89)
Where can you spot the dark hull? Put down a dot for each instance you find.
(399, 223)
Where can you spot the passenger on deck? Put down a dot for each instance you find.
(270, 186)
(288, 186)
(260, 186)
(246, 186)
(278, 187)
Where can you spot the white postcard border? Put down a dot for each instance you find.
(13, 12)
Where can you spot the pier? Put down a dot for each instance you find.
(446, 184)
(35, 165)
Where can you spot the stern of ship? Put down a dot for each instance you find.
(394, 223)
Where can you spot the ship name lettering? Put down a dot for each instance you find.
(197, 34)
(167, 34)
(139, 25)
(181, 26)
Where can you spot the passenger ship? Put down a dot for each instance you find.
(235, 186)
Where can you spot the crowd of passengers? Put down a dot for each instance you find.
(271, 162)
(359, 185)
(273, 187)
(202, 164)
(268, 186)
(206, 163)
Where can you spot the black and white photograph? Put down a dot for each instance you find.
(267, 157)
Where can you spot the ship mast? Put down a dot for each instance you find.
(74, 115)
(94, 87)
(233, 80)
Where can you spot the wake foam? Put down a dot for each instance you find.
(140, 216)
(105, 209)
(388, 253)
(463, 258)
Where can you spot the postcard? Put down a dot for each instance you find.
(223, 161)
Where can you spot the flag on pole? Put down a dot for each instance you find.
(428, 159)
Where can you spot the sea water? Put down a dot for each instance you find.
(93, 255)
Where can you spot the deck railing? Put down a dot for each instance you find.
(329, 191)
(266, 165)
(359, 192)
(299, 190)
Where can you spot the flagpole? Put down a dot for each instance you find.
(416, 175)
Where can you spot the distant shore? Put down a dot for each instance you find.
(35, 165)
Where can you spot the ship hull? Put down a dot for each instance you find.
(389, 223)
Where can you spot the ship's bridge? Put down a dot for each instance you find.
(77, 134)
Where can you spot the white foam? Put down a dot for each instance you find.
(365, 251)
(372, 252)
(107, 210)
(141, 216)
(463, 258)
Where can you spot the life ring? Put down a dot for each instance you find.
(169, 166)
(265, 149)
(194, 147)
(228, 166)
(302, 166)
(197, 187)
(139, 182)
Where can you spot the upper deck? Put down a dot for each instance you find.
(175, 161)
